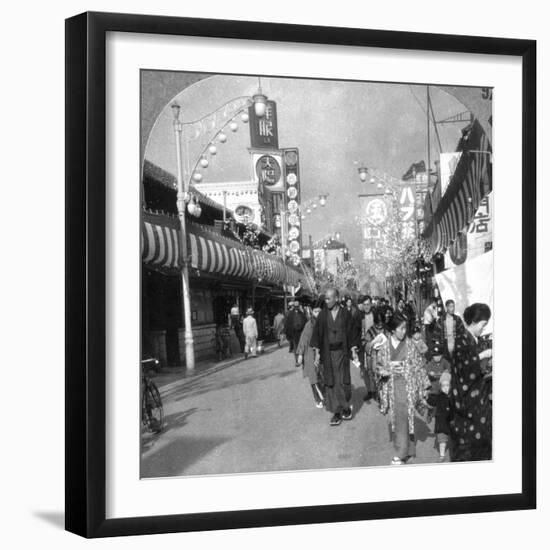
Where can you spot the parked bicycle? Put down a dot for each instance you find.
(152, 413)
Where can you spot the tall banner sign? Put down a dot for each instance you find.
(263, 130)
(291, 174)
(476, 239)
(375, 210)
(407, 208)
(319, 260)
(468, 283)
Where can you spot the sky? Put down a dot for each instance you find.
(336, 125)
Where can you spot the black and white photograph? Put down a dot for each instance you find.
(316, 274)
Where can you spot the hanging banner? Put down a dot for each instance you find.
(407, 208)
(375, 211)
(319, 262)
(476, 239)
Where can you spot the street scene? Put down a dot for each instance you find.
(317, 274)
(258, 416)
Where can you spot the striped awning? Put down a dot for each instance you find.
(210, 252)
(471, 182)
(160, 241)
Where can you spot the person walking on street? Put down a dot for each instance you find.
(223, 340)
(250, 329)
(368, 313)
(436, 367)
(369, 361)
(289, 322)
(442, 411)
(306, 356)
(295, 323)
(336, 341)
(279, 327)
(404, 385)
(448, 327)
(429, 320)
(237, 324)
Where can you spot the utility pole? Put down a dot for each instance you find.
(182, 200)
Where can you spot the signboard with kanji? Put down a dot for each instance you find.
(407, 208)
(268, 171)
(263, 130)
(477, 238)
(375, 210)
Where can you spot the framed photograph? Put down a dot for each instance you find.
(292, 255)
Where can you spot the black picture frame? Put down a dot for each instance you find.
(86, 284)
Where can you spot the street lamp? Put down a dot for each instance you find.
(186, 201)
(363, 173)
(260, 101)
(183, 198)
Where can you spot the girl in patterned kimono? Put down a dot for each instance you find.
(369, 370)
(471, 390)
(306, 356)
(404, 385)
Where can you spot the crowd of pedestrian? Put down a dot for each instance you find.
(436, 366)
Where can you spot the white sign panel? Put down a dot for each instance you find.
(469, 283)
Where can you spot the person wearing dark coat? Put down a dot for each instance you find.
(306, 356)
(442, 411)
(471, 390)
(295, 323)
(336, 341)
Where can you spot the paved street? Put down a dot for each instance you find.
(259, 415)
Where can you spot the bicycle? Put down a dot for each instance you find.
(152, 412)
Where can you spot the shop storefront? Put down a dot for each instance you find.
(222, 272)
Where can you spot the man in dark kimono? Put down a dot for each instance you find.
(336, 339)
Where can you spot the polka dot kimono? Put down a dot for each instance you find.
(471, 403)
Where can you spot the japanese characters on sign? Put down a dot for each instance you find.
(477, 237)
(482, 218)
(268, 170)
(375, 209)
(263, 130)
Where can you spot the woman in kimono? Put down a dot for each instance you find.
(305, 356)
(369, 370)
(404, 385)
(471, 390)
